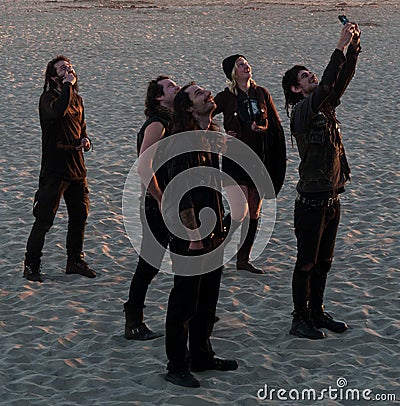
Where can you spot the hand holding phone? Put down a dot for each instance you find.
(343, 19)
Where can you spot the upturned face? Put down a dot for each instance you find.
(242, 69)
(306, 82)
(61, 68)
(203, 102)
(170, 89)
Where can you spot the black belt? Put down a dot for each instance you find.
(317, 202)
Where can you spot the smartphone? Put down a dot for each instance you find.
(343, 19)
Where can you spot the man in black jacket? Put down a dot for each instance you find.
(63, 171)
(323, 173)
(196, 255)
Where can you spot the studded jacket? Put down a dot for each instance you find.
(323, 167)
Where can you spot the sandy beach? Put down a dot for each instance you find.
(61, 342)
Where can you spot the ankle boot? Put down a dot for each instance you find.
(243, 254)
(302, 326)
(135, 328)
(322, 319)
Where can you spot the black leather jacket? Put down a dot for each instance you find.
(323, 167)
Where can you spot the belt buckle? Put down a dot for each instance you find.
(332, 200)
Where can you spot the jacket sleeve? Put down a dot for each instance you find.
(218, 99)
(83, 125)
(53, 108)
(346, 74)
(328, 81)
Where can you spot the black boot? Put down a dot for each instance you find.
(322, 319)
(243, 254)
(76, 265)
(32, 272)
(302, 326)
(183, 378)
(135, 328)
(215, 364)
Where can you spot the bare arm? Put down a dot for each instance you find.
(153, 133)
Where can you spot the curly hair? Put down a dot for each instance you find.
(290, 78)
(49, 82)
(183, 119)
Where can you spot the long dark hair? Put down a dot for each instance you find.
(49, 82)
(183, 119)
(154, 90)
(290, 78)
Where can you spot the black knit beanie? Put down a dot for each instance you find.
(228, 64)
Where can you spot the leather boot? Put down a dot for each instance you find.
(32, 272)
(243, 254)
(322, 319)
(302, 326)
(135, 328)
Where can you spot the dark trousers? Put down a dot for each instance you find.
(46, 203)
(191, 314)
(154, 230)
(316, 229)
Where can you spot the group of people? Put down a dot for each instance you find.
(249, 115)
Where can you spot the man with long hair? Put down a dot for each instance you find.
(159, 105)
(63, 171)
(193, 298)
(323, 172)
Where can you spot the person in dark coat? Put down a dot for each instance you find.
(249, 114)
(323, 171)
(63, 170)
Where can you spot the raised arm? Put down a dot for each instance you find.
(53, 107)
(349, 68)
(333, 69)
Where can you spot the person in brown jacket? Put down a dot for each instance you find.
(249, 114)
(63, 170)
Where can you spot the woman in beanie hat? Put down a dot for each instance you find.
(249, 115)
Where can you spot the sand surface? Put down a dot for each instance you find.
(61, 342)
